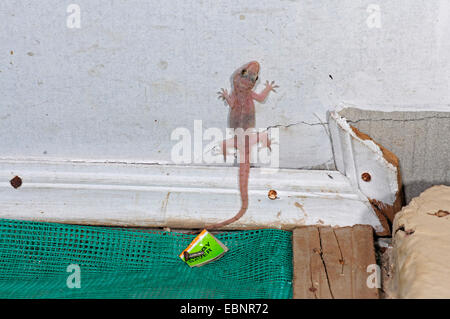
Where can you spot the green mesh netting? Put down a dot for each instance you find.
(130, 263)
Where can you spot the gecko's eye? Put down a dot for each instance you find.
(256, 79)
(244, 72)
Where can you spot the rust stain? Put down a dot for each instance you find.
(440, 213)
(385, 214)
(299, 196)
(297, 204)
(272, 194)
(16, 182)
(165, 202)
(366, 177)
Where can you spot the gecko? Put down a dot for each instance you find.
(242, 116)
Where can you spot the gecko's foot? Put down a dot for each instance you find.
(223, 94)
(268, 144)
(227, 144)
(216, 150)
(221, 148)
(271, 86)
(264, 140)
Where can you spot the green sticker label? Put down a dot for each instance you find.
(203, 249)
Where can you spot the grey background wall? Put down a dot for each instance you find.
(115, 88)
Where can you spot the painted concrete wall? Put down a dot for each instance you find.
(115, 88)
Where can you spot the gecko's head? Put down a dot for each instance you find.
(246, 76)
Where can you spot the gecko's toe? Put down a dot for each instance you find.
(216, 150)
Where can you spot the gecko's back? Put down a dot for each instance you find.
(242, 113)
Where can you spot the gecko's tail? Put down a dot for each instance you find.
(244, 172)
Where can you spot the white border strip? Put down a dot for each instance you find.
(142, 195)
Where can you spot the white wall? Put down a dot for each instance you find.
(116, 88)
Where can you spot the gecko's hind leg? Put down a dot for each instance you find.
(264, 139)
(228, 143)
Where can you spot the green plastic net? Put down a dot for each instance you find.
(130, 263)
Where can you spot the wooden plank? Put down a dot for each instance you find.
(302, 283)
(363, 256)
(310, 279)
(344, 237)
(332, 262)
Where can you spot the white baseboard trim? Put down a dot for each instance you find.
(355, 156)
(141, 195)
(373, 170)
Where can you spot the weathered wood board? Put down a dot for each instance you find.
(332, 262)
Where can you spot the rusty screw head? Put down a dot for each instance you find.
(16, 182)
(272, 194)
(188, 256)
(366, 177)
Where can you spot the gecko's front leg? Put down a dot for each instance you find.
(223, 95)
(260, 97)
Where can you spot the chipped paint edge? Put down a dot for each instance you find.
(384, 192)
